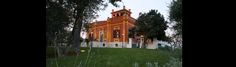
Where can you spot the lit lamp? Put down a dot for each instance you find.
(91, 35)
(83, 35)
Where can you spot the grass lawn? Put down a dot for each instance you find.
(113, 57)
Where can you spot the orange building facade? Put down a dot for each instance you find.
(114, 30)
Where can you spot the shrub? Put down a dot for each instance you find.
(173, 62)
(165, 48)
(70, 52)
(50, 52)
(177, 53)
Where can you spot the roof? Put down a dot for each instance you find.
(99, 21)
(121, 10)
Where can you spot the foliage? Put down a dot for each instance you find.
(113, 2)
(56, 21)
(61, 13)
(83, 11)
(50, 52)
(176, 18)
(132, 33)
(167, 48)
(70, 52)
(151, 25)
(176, 15)
(173, 62)
(177, 53)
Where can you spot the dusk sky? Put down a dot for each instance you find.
(136, 7)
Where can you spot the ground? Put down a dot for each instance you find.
(114, 57)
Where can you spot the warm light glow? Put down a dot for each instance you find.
(83, 35)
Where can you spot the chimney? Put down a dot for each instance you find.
(112, 10)
(123, 7)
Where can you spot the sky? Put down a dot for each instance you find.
(136, 7)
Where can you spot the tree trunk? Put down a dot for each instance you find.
(76, 33)
(56, 46)
(58, 51)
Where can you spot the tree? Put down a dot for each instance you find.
(56, 21)
(151, 25)
(131, 33)
(61, 13)
(113, 2)
(83, 11)
(176, 17)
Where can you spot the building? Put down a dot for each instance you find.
(112, 32)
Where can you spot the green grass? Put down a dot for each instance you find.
(113, 57)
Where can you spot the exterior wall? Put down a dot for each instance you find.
(153, 45)
(129, 45)
(108, 44)
(122, 23)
